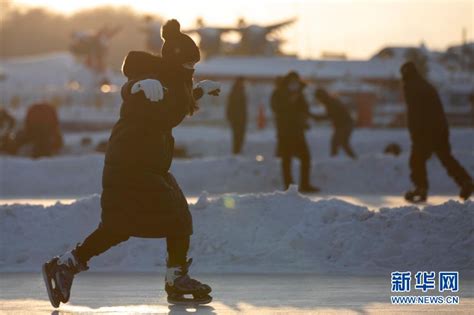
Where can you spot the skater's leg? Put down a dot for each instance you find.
(177, 281)
(418, 173)
(305, 168)
(452, 166)
(177, 250)
(59, 272)
(346, 144)
(334, 143)
(238, 137)
(456, 171)
(305, 172)
(286, 170)
(98, 242)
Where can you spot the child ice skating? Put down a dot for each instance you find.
(140, 197)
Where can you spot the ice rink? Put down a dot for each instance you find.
(142, 293)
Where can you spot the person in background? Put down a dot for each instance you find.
(237, 114)
(341, 120)
(41, 130)
(291, 113)
(429, 133)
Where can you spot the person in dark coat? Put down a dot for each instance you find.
(291, 113)
(237, 114)
(429, 133)
(140, 197)
(341, 120)
(41, 130)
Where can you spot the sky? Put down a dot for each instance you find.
(358, 28)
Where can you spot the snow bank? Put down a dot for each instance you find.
(276, 232)
(69, 177)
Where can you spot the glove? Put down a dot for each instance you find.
(209, 87)
(152, 89)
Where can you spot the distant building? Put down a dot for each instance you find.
(376, 79)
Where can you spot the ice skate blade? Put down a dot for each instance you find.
(190, 302)
(53, 299)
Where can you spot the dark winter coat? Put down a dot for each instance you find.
(291, 112)
(140, 196)
(336, 113)
(425, 114)
(237, 107)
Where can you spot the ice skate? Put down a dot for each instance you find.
(58, 274)
(416, 195)
(178, 284)
(466, 190)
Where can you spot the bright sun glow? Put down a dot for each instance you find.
(357, 27)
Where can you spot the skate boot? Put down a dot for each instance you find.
(466, 190)
(178, 284)
(58, 274)
(416, 195)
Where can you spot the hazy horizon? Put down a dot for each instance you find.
(356, 28)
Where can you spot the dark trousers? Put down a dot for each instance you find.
(305, 168)
(341, 138)
(238, 136)
(419, 156)
(102, 239)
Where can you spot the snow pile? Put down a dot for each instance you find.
(74, 176)
(276, 232)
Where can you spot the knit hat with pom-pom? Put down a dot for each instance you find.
(178, 48)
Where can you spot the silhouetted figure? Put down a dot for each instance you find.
(140, 197)
(237, 114)
(429, 134)
(291, 113)
(341, 120)
(41, 130)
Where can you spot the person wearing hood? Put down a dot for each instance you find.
(341, 120)
(140, 197)
(429, 133)
(237, 114)
(291, 112)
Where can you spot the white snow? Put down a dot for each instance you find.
(275, 232)
(257, 170)
(79, 176)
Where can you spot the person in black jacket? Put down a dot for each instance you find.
(237, 114)
(340, 119)
(291, 113)
(429, 134)
(140, 197)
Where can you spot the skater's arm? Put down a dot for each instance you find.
(171, 111)
(198, 93)
(166, 111)
(209, 87)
